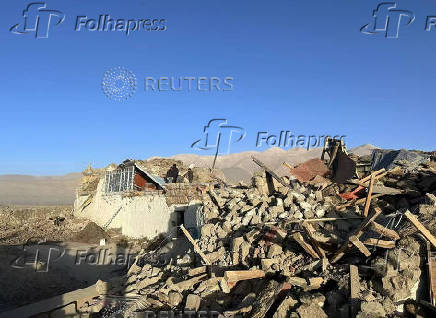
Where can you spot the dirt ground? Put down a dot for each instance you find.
(45, 251)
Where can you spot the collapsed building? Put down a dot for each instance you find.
(301, 247)
(138, 202)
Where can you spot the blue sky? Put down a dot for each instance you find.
(301, 66)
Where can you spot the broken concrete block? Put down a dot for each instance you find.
(288, 202)
(217, 255)
(310, 311)
(246, 219)
(188, 284)
(297, 281)
(308, 214)
(192, 303)
(284, 215)
(148, 281)
(298, 197)
(316, 298)
(286, 307)
(207, 230)
(274, 250)
(174, 298)
(375, 309)
(269, 265)
(305, 206)
(208, 287)
(255, 220)
(298, 215)
(134, 270)
(197, 271)
(245, 251)
(319, 212)
(274, 211)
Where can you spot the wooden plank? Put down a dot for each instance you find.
(384, 231)
(431, 274)
(326, 219)
(266, 299)
(433, 281)
(309, 231)
(380, 243)
(232, 277)
(361, 247)
(357, 232)
(196, 247)
(354, 290)
(412, 218)
(376, 173)
(364, 182)
(368, 198)
(306, 246)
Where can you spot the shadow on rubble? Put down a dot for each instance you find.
(52, 279)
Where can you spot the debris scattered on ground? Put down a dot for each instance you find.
(338, 240)
(19, 225)
(294, 248)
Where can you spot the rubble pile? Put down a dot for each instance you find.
(284, 248)
(19, 225)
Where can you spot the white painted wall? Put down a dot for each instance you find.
(140, 216)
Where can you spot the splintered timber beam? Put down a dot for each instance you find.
(360, 245)
(306, 246)
(364, 182)
(368, 198)
(196, 247)
(232, 277)
(272, 173)
(354, 289)
(431, 275)
(266, 298)
(325, 219)
(309, 231)
(357, 233)
(420, 227)
(384, 231)
(380, 243)
(375, 173)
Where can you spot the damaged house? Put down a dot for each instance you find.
(139, 203)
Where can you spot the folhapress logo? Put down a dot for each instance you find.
(38, 19)
(217, 131)
(388, 20)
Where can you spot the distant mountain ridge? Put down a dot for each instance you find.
(60, 190)
(240, 166)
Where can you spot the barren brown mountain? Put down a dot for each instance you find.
(60, 190)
